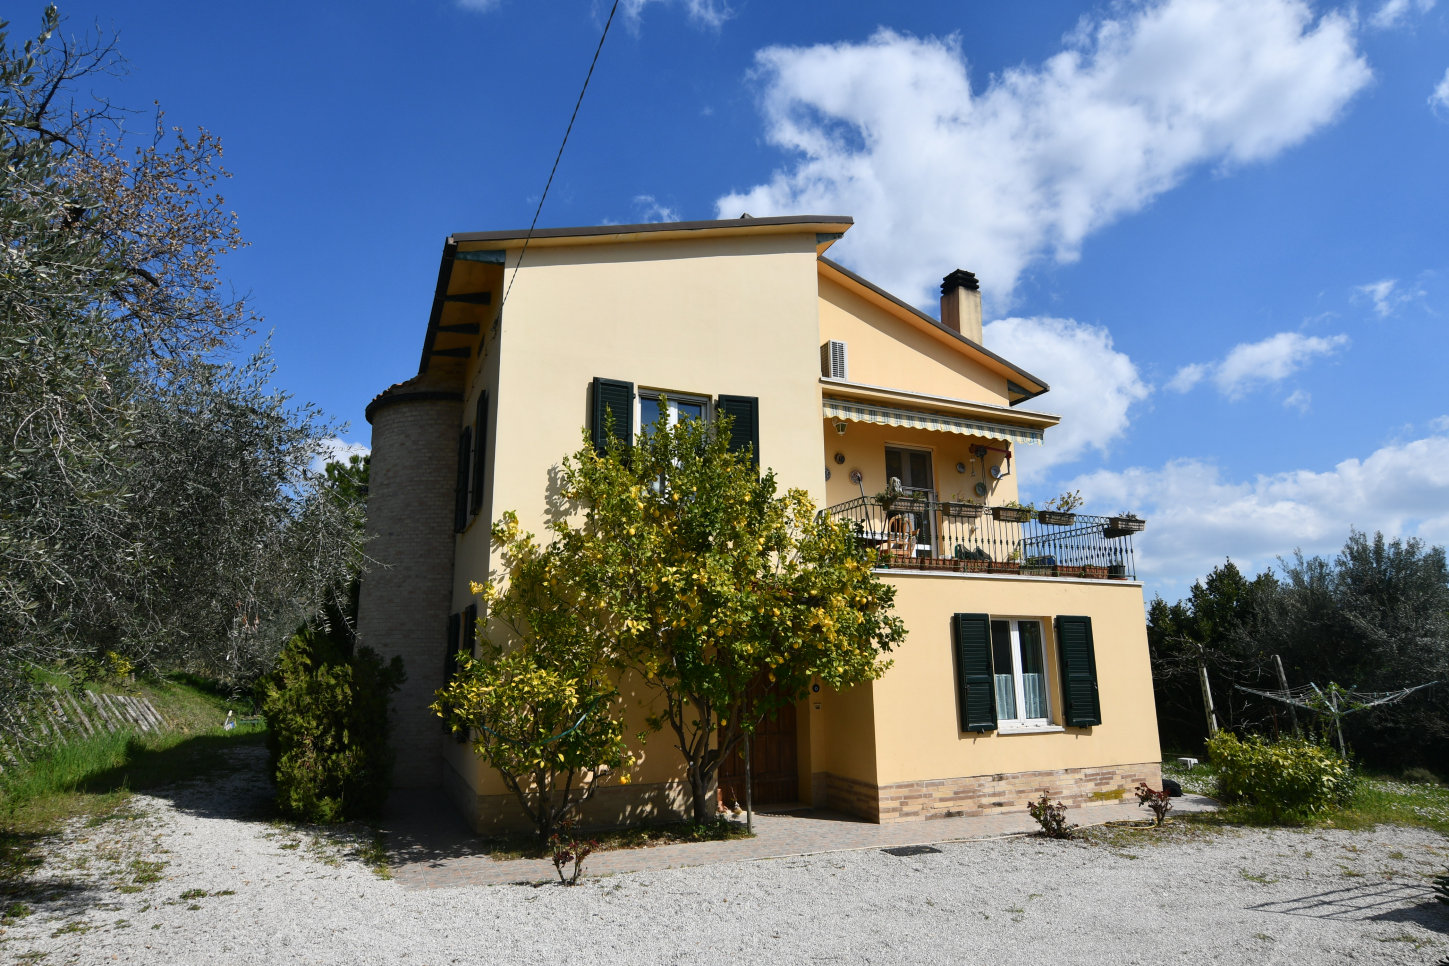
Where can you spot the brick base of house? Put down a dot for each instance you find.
(611, 806)
(984, 794)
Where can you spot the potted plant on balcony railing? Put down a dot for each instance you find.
(962, 506)
(1123, 524)
(887, 498)
(1013, 512)
(1058, 512)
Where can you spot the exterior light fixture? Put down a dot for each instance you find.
(840, 427)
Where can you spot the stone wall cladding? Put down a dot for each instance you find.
(611, 806)
(408, 590)
(851, 796)
(983, 794)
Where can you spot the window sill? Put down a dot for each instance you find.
(1029, 729)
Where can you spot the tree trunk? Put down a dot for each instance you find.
(699, 782)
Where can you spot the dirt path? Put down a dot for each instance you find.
(196, 875)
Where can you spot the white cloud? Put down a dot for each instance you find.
(1440, 97)
(1380, 292)
(1189, 376)
(1093, 386)
(706, 13)
(1388, 296)
(1196, 517)
(1394, 12)
(651, 210)
(1250, 365)
(336, 450)
(1298, 400)
(889, 130)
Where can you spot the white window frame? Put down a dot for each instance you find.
(1018, 725)
(673, 399)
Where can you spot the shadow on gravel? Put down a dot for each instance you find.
(54, 897)
(423, 828)
(1387, 902)
(212, 776)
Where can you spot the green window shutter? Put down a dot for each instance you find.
(460, 493)
(612, 403)
(975, 684)
(745, 429)
(480, 451)
(470, 629)
(450, 659)
(1079, 671)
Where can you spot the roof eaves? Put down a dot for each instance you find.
(804, 221)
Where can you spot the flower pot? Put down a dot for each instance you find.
(1011, 514)
(1092, 573)
(1122, 526)
(1005, 567)
(969, 511)
(1056, 518)
(1117, 572)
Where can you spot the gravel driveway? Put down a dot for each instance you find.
(188, 878)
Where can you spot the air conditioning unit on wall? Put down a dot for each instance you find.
(832, 360)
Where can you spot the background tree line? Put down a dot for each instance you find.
(1373, 618)
(156, 503)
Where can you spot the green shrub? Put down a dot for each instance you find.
(1420, 776)
(327, 717)
(1287, 779)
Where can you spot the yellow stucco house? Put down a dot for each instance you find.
(1025, 667)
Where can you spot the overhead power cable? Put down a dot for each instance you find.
(583, 90)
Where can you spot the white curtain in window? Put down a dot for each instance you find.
(1005, 698)
(1033, 687)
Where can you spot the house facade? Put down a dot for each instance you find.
(1025, 666)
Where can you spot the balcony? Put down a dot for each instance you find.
(919, 532)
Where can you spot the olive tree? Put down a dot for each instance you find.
(156, 497)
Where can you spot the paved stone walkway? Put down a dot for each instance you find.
(433, 851)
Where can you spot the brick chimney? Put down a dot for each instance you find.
(961, 304)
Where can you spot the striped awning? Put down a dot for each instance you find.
(937, 422)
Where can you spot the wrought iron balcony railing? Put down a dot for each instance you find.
(919, 532)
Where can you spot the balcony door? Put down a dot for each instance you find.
(913, 468)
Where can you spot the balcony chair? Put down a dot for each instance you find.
(899, 544)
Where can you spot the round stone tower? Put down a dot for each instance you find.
(407, 592)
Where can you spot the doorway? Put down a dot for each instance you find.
(774, 764)
(913, 468)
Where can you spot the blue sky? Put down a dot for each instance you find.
(1216, 227)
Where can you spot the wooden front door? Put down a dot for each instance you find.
(773, 764)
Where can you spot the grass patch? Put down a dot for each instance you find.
(1115, 795)
(1376, 801)
(374, 855)
(144, 872)
(90, 779)
(628, 838)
